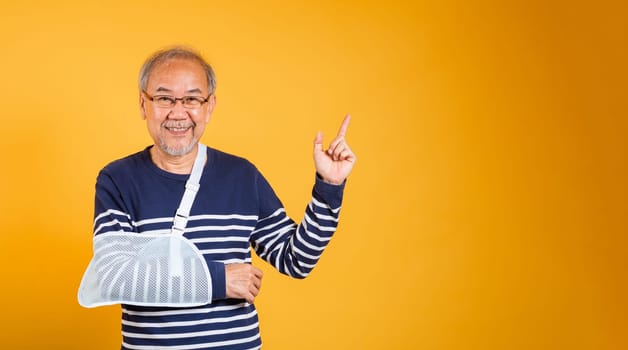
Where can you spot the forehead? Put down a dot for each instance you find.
(178, 75)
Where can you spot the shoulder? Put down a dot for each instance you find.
(229, 162)
(125, 166)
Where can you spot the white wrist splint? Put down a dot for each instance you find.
(150, 269)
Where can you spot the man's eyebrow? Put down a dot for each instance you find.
(164, 89)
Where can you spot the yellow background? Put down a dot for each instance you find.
(488, 208)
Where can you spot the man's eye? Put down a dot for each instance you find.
(164, 99)
(192, 100)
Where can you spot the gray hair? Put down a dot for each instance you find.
(176, 52)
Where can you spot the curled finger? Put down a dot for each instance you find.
(347, 154)
(334, 144)
(250, 298)
(253, 290)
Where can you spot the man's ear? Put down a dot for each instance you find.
(210, 108)
(142, 105)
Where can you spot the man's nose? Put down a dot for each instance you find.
(178, 111)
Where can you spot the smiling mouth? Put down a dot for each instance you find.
(177, 128)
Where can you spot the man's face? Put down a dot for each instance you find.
(177, 129)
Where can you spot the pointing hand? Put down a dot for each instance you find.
(334, 164)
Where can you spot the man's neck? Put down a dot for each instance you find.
(173, 164)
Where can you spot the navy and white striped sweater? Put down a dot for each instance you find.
(235, 209)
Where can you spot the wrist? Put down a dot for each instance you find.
(329, 181)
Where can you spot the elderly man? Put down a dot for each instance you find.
(175, 223)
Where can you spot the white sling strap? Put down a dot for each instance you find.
(191, 188)
(182, 215)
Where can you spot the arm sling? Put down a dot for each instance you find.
(150, 269)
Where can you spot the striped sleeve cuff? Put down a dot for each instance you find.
(330, 194)
(219, 282)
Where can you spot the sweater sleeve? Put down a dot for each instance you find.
(110, 211)
(295, 249)
(113, 216)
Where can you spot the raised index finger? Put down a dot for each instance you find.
(345, 124)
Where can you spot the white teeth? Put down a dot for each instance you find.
(177, 128)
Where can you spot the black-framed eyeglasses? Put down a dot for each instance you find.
(167, 101)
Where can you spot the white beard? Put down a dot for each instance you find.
(175, 152)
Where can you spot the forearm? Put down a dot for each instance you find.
(295, 250)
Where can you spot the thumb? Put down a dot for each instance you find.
(318, 142)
